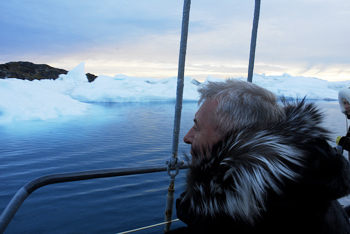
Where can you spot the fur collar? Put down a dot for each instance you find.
(251, 164)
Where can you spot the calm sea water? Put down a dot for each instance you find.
(107, 136)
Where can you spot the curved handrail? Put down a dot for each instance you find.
(17, 200)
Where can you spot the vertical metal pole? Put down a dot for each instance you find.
(169, 205)
(253, 40)
(178, 109)
(180, 77)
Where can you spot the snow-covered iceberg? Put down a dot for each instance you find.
(72, 94)
(28, 100)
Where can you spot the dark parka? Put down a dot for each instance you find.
(283, 178)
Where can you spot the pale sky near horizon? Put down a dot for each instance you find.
(141, 37)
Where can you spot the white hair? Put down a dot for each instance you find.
(241, 104)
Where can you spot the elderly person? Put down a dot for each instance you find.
(260, 167)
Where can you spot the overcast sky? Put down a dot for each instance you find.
(141, 37)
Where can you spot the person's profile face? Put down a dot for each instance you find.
(202, 136)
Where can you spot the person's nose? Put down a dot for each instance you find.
(188, 138)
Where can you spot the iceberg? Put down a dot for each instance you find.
(27, 100)
(121, 88)
(72, 94)
(75, 76)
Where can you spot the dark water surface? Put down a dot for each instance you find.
(107, 136)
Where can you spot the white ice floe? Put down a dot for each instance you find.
(71, 94)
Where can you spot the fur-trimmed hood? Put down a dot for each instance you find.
(290, 158)
(343, 93)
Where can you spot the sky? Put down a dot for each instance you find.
(141, 38)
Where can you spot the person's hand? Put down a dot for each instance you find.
(338, 139)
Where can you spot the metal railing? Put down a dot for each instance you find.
(17, 200)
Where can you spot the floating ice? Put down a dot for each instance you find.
(27, 100)
(71, 94)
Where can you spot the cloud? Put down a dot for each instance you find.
(142, 36)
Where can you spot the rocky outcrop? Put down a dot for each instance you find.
(91, 77)
(31, 71)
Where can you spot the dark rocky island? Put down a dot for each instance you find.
(31, 71)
